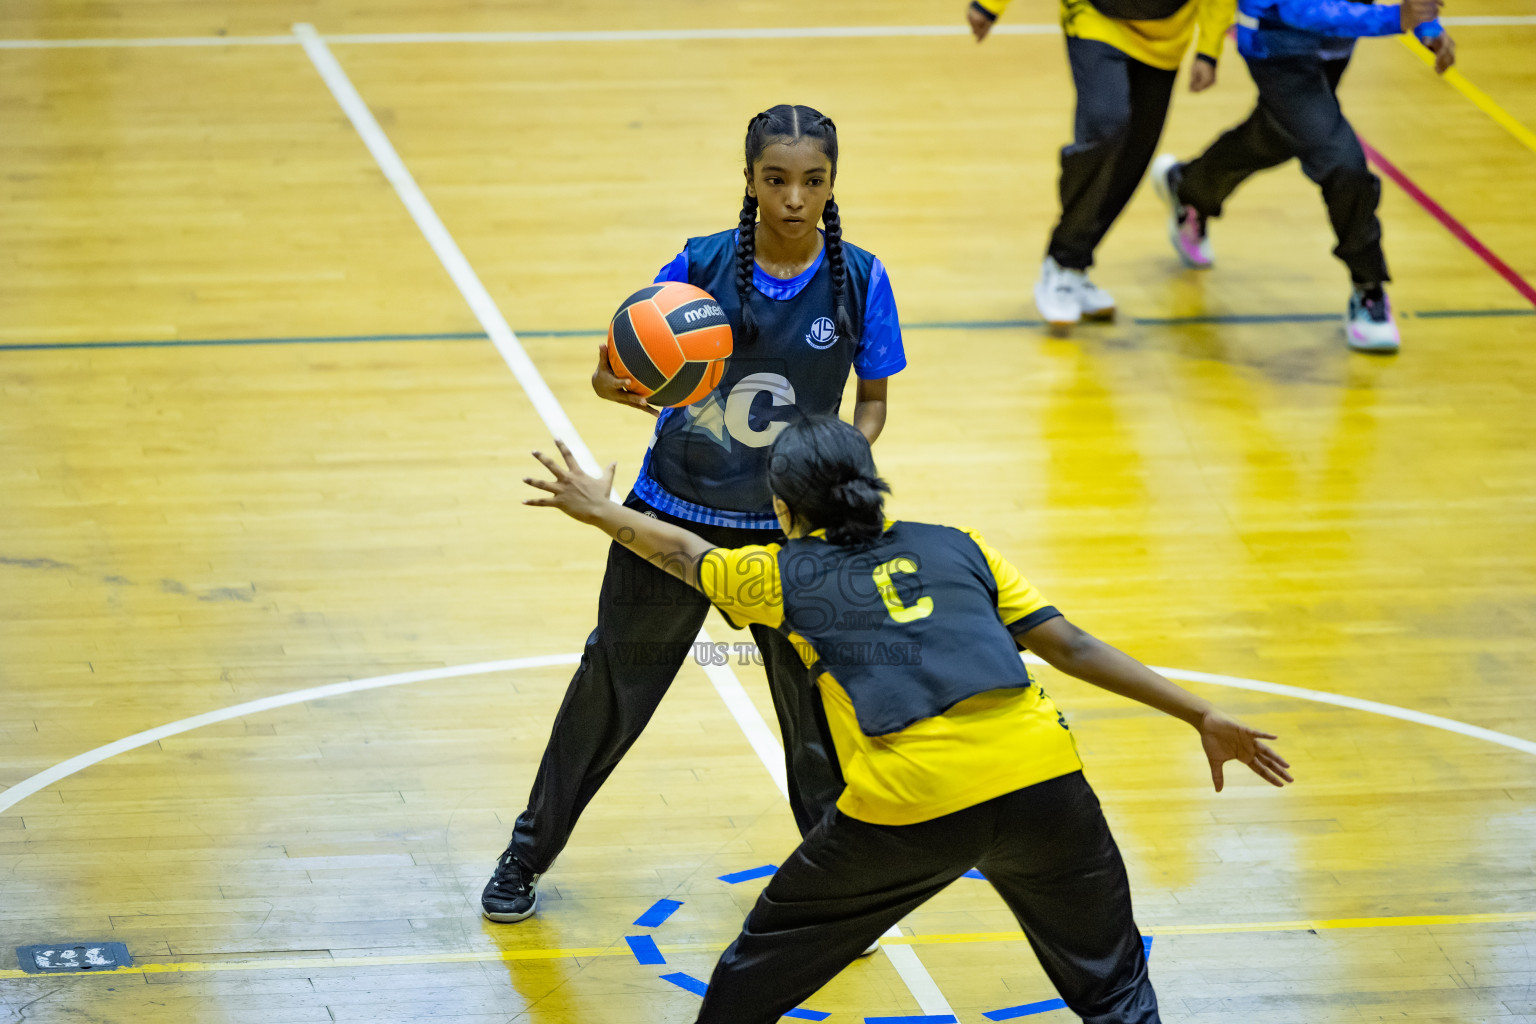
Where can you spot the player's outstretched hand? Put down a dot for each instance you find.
(573, 492)
(1444, 49)
(1226, 739)
(1416, 12)
(614, 388)
(980, 21)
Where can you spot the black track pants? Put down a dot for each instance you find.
(1121, 106)
(1298, 115)
(647, 621)
(1046, 849)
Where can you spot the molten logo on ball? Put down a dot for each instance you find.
(672, 341)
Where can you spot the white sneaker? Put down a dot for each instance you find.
(1097, 304)
(1186, 228)
(1369, 325)
(874, 947)
(1058, 294)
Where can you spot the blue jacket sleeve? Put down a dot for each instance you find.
(880, 353)
(1339, 18)
(676, 270)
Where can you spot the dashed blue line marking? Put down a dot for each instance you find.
(974, 873)
(657, 915)
(749, 874)
(1028, 1009)
(807, 1014)
(644, 948)
(688, 982)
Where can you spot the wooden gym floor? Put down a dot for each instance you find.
(254, 441)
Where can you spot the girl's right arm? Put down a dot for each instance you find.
(1077, 653)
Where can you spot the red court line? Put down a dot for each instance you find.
(1450, 223)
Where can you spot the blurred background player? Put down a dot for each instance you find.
(954, 756)
(805, 308)
(1297, 51)
(1125, 56)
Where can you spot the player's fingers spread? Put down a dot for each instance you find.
(543, 485)
(1279, 769)
(1268, 776)
(570, 460)
(1272, 752)
(1216, 775)
(550, 465)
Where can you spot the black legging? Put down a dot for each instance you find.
(1121, 106)
(647, 620)
(1298, 115)
(1047, 851)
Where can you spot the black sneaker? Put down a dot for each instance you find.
(512, 893)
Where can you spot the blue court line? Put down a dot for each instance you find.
(1046, 1005)
(691, 984)
(688, 982)
(644, 948)
(749, 874)
(1222, 319)
(1027, 1010)
(974, 873)
(659, 912)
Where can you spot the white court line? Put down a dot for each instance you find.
(910, 968)
(624, 35)
(26, 787)
(644, 35)
(1358, 704)
(130, 43)
(666, 35)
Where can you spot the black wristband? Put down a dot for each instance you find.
(983, 11)
(1207, 58)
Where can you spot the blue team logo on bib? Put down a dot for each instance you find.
(823, 333)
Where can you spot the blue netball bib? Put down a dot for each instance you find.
(708, 462)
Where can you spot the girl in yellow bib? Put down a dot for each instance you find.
(954, 757)
(1124, 55)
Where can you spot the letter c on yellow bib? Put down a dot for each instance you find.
(900, 612)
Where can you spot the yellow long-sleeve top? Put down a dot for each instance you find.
(1160, 42)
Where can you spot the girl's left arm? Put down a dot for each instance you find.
(869, 408)
(585, 499)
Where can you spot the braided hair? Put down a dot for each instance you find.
(791, 123)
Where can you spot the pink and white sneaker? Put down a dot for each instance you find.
(1186, 227)
(1369, 326)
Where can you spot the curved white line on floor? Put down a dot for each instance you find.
(25, 788)
(64, 769)
(1339, 700)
